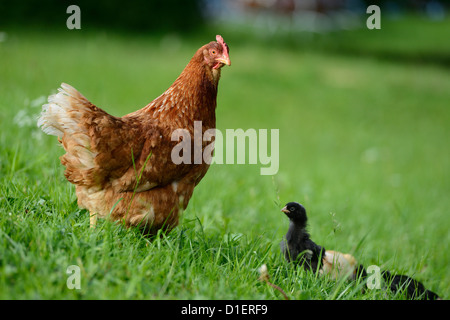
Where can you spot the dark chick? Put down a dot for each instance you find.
(414, 289)
(300, 249)
(298, 246)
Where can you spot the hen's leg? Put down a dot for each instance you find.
(93, 219)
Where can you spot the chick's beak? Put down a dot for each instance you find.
(285, 210)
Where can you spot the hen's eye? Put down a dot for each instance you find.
(213, 52)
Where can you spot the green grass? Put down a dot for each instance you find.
(363, 145)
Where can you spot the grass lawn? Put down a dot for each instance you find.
(364, 145)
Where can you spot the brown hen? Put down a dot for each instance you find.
(122, 166)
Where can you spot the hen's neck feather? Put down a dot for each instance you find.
(193, 94)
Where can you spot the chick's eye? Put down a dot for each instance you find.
(291, 209)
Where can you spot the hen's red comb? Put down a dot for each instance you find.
(226, 50)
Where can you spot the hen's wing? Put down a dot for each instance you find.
(99, 147)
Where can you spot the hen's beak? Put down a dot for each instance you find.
(225, 60)
(285, 210)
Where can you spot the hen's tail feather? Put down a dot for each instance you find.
(63, 111)
(63, 116)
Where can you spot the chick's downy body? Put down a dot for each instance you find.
(299, 248)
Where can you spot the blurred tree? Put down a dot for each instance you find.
(136, 15)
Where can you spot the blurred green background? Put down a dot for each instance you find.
(363, 117)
